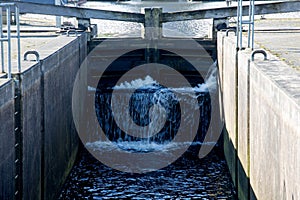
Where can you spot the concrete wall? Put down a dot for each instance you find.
(61, 142)
(228, 86)
(31, 109)
(49, 138)
(266, 142)
(7, 140)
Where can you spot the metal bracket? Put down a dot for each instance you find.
(261, 51)
(230, 30)
(37, 55)
(72, 31)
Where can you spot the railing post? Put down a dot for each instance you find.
(153, 32)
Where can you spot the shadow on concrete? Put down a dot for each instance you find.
(238, 174)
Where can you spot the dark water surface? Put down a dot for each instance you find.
(187, 178)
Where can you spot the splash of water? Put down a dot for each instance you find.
(137, 83)
(149, 93)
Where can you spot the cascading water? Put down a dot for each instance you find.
(187, 178)
(150, 102)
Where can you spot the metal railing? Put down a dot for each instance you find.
(250, 23)
(9, 8)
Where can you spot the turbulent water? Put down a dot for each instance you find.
(187, 178)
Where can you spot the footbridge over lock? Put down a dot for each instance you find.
(39, 142)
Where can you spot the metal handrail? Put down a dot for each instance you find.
(261, 51)
(230, 30)
(69, 32)
(33, 52)
(8, 7)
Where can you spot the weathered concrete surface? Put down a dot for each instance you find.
(228, 65)
(61, 142)
(274, 130)
(268, 129)
(31, 109)
(243, 125)
(7, 140)
(50, 141)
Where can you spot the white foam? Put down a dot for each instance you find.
(137, 83)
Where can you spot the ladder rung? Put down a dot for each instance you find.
(3, 39)
(247, 22)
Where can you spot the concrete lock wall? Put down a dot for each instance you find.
(267, 137)
(7, 141)
(50, 141)
(228, 86)
(61, 142)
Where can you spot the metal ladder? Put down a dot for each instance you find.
(8, 7)
(250, 23)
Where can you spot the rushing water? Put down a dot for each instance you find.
(188, 177)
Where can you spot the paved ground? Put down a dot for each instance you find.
(281, 37)
(35, 33)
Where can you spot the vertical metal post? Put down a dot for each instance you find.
(1, 44)
(252, 19)
(238, 25)
(8, 13)
(7, 37)
(241, 24)
(250, 24)
(18, 37)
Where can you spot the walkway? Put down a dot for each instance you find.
(281, 37)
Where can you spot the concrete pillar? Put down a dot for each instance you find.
(153, 32)
(58, 18)
(153, 25)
